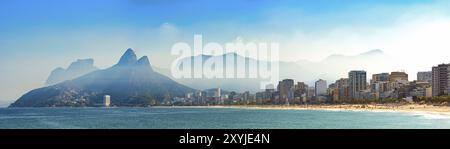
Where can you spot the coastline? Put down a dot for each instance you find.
(406, 108)
(419, 109)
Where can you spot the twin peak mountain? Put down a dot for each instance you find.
(129, 58)
(131, 82)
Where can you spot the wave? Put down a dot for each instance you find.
(428, 115)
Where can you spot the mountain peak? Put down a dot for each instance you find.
(143, 61)
(128, 58)
(75, 69)
(373, 52)
(81, 63)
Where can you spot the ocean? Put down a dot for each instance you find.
(211, 118)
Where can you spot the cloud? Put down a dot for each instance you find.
(417, 40)
(168, 30)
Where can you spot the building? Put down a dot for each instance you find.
(383, 85)
(400, 77)
(333, 92)
(301, 87)
(357, 81)
(286, 90)
(321, 88)
(414, 89)
(200, 94)
(259, 97)
(343, 89)
(311, 93)
(301, 92)
(383, 89)
(331, 88)
(106, 100)
(246, 97)
(218, 93)
(425, 76)
(429, 92)
(441, 80)
(189, 95)
(269, 94)
(381, 77)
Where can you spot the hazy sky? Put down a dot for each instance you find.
(39, 35)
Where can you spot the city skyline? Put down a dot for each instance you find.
(366, 81)
(51, 34)
(138, 75)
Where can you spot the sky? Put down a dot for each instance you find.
(40, 35)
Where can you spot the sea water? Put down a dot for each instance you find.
(211, 118)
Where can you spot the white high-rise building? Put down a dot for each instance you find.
(107, 101)
(321, 87)
(218, 93)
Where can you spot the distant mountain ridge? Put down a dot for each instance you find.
(131, 82)
(230, 84)
(331, 68)
(75, 70)
(337, 66)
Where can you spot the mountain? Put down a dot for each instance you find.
(331, 68)
(75, 70)
(230, 84)
(337, 66)
(131, 82)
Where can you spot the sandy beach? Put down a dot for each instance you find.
(409, 108)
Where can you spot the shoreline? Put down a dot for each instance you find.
(407, 108)
(403, 108)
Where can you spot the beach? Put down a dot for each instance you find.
(409, 108)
